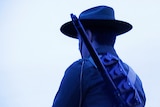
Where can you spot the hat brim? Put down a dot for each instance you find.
(119, 27)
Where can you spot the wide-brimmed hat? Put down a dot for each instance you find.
(99, 17)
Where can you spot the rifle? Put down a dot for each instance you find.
(125, 93)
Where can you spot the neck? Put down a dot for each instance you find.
(103, 49)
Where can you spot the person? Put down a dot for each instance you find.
(82, 84)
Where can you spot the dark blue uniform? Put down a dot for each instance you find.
(83, 86)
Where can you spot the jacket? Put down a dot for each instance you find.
(83, 86)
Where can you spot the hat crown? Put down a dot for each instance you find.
(98, 13)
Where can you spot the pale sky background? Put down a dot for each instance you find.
(34, 53)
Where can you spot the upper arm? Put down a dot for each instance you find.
(69, 88)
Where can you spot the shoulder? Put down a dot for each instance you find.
(75, 68)
(78, 64)
(138, 83)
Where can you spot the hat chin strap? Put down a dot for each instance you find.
(83, 50)
(80, 46)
